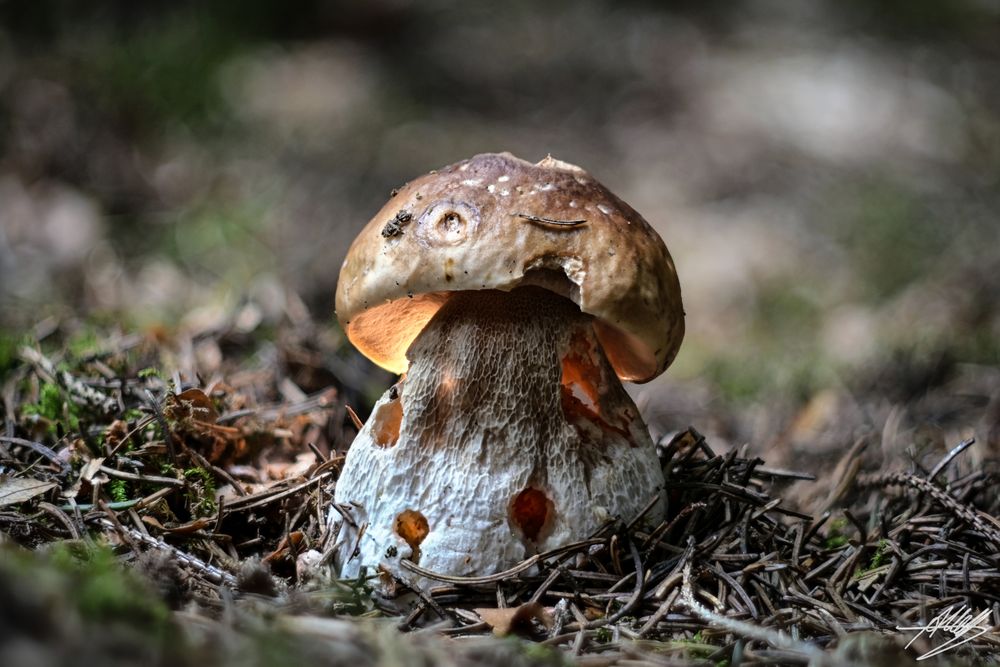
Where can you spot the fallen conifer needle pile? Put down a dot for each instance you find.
(214, 485)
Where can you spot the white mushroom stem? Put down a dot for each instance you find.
(510, 434)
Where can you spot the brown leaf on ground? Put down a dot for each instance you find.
(287, 547)
(197, 418)
(19, 489)
(198, 406)
(515, 620)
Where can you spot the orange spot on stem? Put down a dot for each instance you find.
(580, 378)
(530, 512)
(412, 526)
(388, 418)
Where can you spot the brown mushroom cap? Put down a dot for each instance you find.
(496, 222)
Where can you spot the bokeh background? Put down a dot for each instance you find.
(825, 173)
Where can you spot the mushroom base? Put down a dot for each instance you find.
(509, 435)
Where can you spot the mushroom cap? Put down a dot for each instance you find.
(495, 221)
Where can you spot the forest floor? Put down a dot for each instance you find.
(204, 460)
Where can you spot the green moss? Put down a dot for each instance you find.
(118, 488)
(836, 537)
(835, 542)
(352, 597)
(75, 598)
(201, 491)
(53, 409)
(103, 592)
(49, 403)
(9, 344)
(83, 343)
(877, 560)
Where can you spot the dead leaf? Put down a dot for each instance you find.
(201, 406)
(287, 546)
(196, 417)
(18, 489)
(286, 470)
(115, 433)
(153, 521)
(92, 468)
(387, 582)
(514, 619)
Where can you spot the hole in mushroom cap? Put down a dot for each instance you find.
(451, 224)
(412, 526)
(531, 512)
(562, 275)
(447, 222)
(387, 418)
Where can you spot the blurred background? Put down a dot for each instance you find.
(826, 175)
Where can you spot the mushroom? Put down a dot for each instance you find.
(513, 297)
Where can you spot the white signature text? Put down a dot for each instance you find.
(958, 621)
